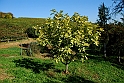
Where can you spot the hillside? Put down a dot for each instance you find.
(14, 29)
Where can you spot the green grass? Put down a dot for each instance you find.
(23, 69)
(10, 51)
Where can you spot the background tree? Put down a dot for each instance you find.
(122, 18)
(104, 16)
(2, 15)
(6, 15)
(31, 33)
(119, 6)
(68, 37)
(116, 41)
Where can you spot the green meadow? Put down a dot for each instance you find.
(15, 68)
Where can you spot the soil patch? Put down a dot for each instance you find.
(15, 43)
(43, 56)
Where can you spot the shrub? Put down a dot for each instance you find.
(31, 33)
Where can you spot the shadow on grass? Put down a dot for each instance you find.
(97, 58)
(70, 79)
(117, 64)
(120, 66)
(76, 79)
(36, 67)
(112, 59)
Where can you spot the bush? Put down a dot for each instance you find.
(31, 33)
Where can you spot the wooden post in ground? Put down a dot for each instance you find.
(21, 50)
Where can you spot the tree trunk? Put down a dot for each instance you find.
(105, 50)
(119, 58)
(66, 68)
(105, 43)
(21, 49)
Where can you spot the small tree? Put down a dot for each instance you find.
(68, 37)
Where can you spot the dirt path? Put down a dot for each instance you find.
(15, 43)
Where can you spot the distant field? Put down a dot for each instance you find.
(14, 29)
(24, 69)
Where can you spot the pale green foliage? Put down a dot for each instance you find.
(69, 37)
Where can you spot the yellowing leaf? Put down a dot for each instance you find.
(96, 43)
(69, 31)
(86, 44)
(66, 35)
(101, 29)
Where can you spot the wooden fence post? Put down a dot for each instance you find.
(21, 49)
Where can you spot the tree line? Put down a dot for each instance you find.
(112, 38)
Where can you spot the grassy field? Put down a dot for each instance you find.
(24, 69)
